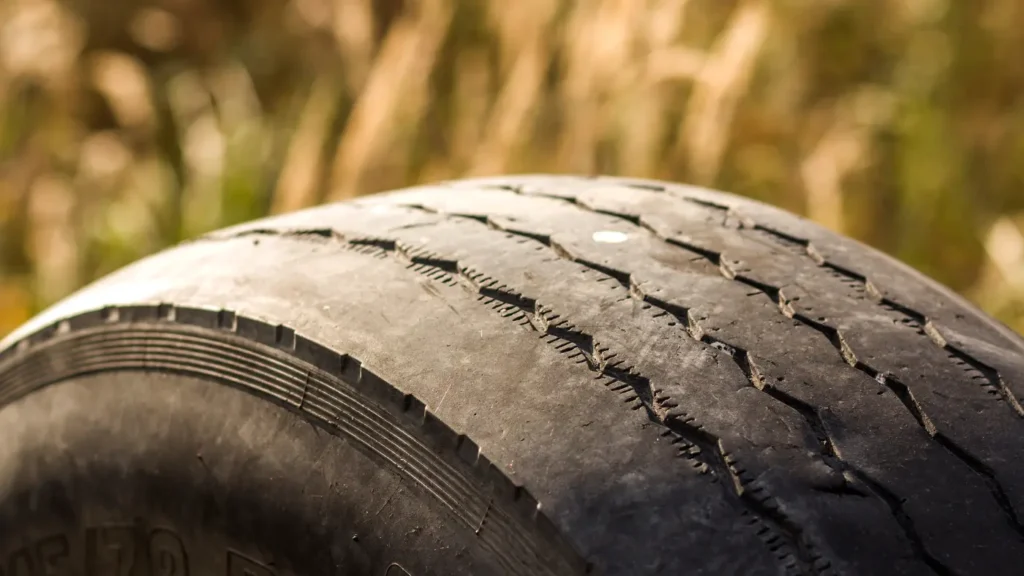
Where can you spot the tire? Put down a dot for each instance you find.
(528, 376)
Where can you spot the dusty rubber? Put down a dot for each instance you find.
(524, 375)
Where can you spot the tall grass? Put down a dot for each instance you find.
(128, 126)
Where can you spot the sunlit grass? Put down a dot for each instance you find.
(126, 127)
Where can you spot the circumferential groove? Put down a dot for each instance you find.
(858, 280)
(795, 551)
(646, 396)
(780, 535)
(913, 318)
(698, 437)
(835, 337)
(827, 452)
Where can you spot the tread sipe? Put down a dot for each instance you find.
(588, 376)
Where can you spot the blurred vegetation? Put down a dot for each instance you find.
(128, 125)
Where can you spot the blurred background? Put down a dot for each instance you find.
(129, 125)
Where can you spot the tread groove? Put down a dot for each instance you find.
(580, 316)
(780, 534)
(654, 404)
(806, 248)
(815, 422)
(915, 318)
(835, 337)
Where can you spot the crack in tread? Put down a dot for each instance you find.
(656, 406)
(915, 319)
(993, 384)
(861, 283)
(804, 247)
(705, 450)
(835, 337)
(782, 537)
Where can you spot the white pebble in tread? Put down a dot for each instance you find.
(610, 237)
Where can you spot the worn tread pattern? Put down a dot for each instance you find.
(704, 451)
(543, 222)
(699, 509)
(857, 418)
(905, 321)
(590, 196)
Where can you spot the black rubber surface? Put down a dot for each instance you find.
(523, 375)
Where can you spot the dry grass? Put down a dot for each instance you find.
(127, 126)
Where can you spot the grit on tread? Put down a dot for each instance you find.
(847, 308)
(608, 332)
(874, 335)
(561, 228)
(589, 347)
(844, 427)
(637, 480)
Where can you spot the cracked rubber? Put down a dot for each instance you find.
(524, 375)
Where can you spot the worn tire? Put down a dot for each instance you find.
(526, 376)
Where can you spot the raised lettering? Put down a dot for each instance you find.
(395, 570)
(239, 565)
(21, 564)
(110, 551)
(54, 555)
(167, 554)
